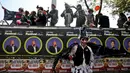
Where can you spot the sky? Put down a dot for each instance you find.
(30, 5)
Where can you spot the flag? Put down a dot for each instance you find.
(8, 15)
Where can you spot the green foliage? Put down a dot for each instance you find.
(120, 6)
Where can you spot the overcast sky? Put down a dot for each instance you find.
(30, 5)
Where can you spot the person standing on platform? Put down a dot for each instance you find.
(127, 23)
(53, 14)
(68, 15)
(121, 20)
(80, 15)
(18, 16)
(32, 17)
(90, 18)
(104, 21)
(41, 17)
(25, 20)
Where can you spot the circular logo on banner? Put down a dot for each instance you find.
(95, 40)
(72, 40)
(126, 44)
(54, 45)
(112, 43)
(11, 45)
(33, 45)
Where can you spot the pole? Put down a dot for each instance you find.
(54, 2)
(1, 4)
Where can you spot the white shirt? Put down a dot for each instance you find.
(34, 47)
(56, 50)
(12, 48)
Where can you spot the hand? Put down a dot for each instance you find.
(72, 62)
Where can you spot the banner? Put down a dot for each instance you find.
(36, 42)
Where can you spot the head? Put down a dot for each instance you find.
(79, 7)
(53, 6)
(12, 42)
(84, 40)
(33, 42)
(54, 43)
(112, 43)
(67, 6)
(26, 13)
(122, 15)
(20, 10)
(41, 8)
(129, 43)
(33, 13)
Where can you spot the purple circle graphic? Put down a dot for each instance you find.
(112, 43)
(126, 44)
(16, 42)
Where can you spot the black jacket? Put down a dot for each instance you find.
(104, 21)
(31, 49)
(78, 59)
(9, 48)
(52, 49)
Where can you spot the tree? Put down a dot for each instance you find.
(119, 6)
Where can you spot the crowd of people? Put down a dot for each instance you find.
(87, 19)
(39, 18)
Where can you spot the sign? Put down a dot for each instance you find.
(37, 42)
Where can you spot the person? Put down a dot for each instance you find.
(121, 20)
(18, 15)
(97, 19)
(90, 18)
(127, 23)
(53, 14)
(68, 15)
(113, 44)
(104, 21)
(80, 15)
(81, 56)
(128, 46)
(32, 17)
(33, 47)
(41, 17)
(12, 47)
(25, 19)
(54, 48)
